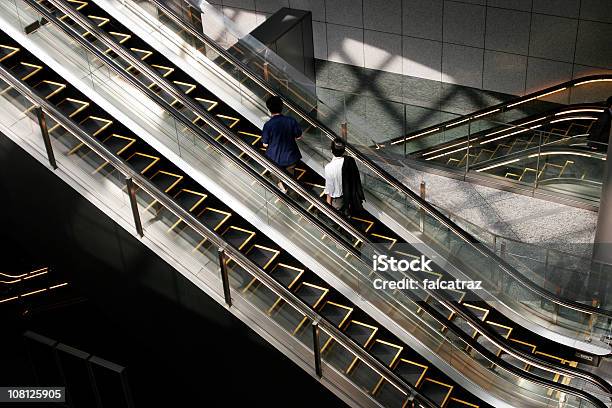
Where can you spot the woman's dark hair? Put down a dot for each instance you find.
(274, 104)
(609, 101)
(337, 147)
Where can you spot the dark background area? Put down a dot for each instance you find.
(126, 305)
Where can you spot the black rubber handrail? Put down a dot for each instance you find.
(363, 159)
(500, 342)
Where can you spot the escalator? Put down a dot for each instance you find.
(549, 150)
(400, 207)
(437, 388)
(170, 179)
(524, 143)
(374, 230)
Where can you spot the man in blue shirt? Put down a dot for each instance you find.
(280, 134)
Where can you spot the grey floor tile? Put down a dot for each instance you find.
(515, 216)
(493, 194)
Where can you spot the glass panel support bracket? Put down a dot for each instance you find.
(44, 131)
(224, 277)
(131, 189)
(423, 193)
(316, 343)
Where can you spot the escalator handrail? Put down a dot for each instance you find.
(216, 239)
(77, 17)
(550, 149)
(495, 109)
(426, 206)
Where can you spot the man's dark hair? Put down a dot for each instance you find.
(609, 102)
(274, 104)
(337, 147)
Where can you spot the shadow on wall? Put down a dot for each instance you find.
(392, 103)
(395, 104)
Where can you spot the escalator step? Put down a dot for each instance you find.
(190, 200)
(311, 294)
(237, 237)
(6, 52)
(229, 121)
(142, 162)
(386, 352)
(117, 143)
(253, 139)
(25, 70)
(207, 103)
(48, 88)
(362, 224)
(412, 372)
(384, 240)
(262, 256)
(524, 346)
(71, 107)
(214, 219)
(289, 317)
(336, 313)
(437, 391)
(287, 275)
(361, 333)
(165, 180)
(163, 70)
(94, 126)
(479, 312)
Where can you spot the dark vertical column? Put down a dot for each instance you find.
(602, 251)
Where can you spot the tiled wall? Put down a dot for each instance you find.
(509, 46)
